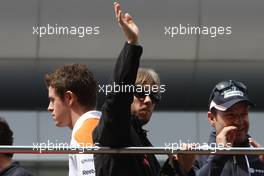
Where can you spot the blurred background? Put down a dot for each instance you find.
(189, 65)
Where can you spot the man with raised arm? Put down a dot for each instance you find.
(121, 121)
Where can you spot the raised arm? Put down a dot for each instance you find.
(114, 126)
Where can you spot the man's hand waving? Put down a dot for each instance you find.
(127, 24)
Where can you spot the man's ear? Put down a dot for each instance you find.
(211, 118)
(69, 97)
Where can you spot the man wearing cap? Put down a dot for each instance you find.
(229, 105)
(228, 115)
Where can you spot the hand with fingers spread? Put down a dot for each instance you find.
(254, 144)
(127, 24)
(227, 136)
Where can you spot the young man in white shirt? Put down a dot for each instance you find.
(72, 94)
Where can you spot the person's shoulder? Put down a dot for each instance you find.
(20, 171)
(84, 134)
(16, 170)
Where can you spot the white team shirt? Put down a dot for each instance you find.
(83, 164)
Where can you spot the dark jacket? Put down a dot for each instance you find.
(227, 165)
(172, 168)
(118, 128)
(15, 170)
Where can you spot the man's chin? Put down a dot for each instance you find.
(239, 141)
(143, 121)
(143, 116)
(59, 124)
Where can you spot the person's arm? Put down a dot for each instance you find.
(202, 166)
(114, 126)
(172, 167)
(212, 167)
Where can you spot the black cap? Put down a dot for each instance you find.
(227, 93)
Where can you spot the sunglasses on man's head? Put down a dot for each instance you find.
(154, 96)
(224, 85)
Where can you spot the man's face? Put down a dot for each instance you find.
(59, 109)
(142, 108)
(236, 116)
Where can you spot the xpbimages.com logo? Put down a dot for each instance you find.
(79, 31)
(60, 146)
(124, 88)
(212, 147)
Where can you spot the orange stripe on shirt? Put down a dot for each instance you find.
(84, 134)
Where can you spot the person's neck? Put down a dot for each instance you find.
(77, 112)
(5, 162)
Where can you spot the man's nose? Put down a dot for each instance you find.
(238, 120)
(147, 99)
(50, 109)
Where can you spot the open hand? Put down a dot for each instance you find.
(127, 24)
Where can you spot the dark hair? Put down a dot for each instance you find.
(6, 135)
(76, 78)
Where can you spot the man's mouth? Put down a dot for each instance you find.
(145, 110)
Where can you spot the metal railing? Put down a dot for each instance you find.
(204, 150)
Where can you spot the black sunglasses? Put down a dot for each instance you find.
(224, 85)
(154, 96)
